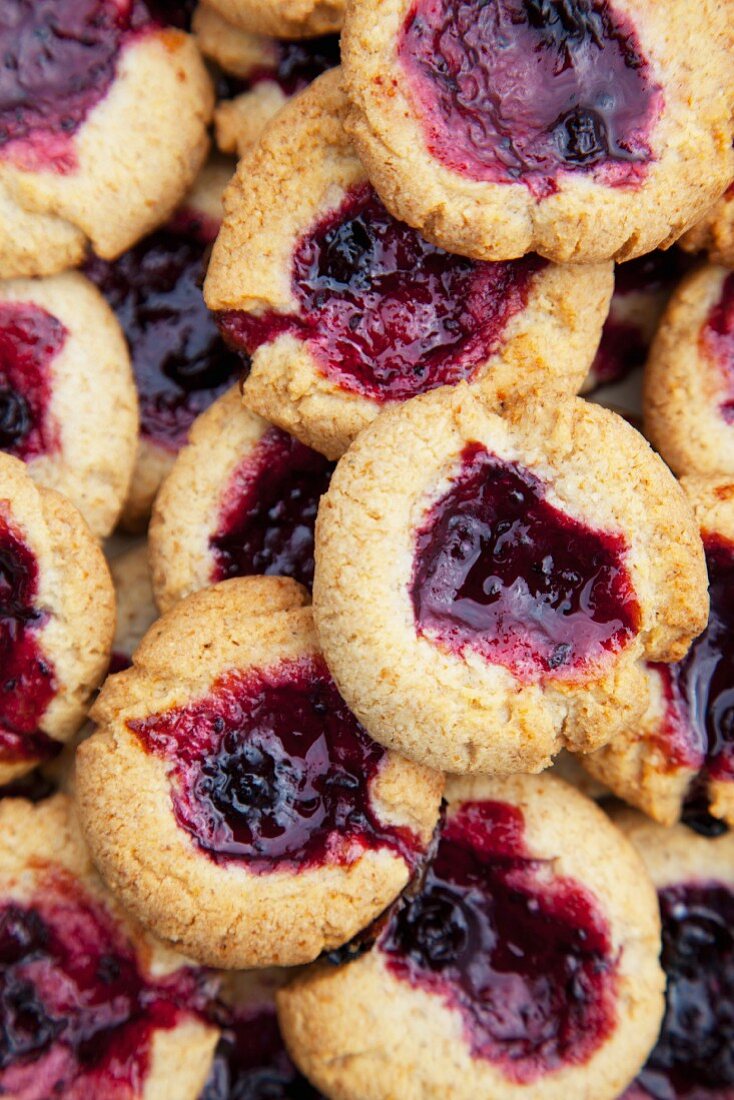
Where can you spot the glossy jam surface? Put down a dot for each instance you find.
(27, 683)
(59, 60)
(717, 340)
(30, 339)
(266, 524)
(77, 1015)
(296, 64)
(514, 91)
(272, 769)
(180, 362)
(523, 955)
(501, 570)
(694, 1056)
(385, 313)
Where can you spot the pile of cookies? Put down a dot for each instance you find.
(366, 694)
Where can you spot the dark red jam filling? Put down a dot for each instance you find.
(297, 64)
(77, 1016)
(524, 956)
(717, 341)
(501, 570)
(119, 661)
(33, 787)
(385, 313)
(27, 683)
(59, 60)
(266, 524)
(181, 364)
(694, 1056)
(172, 13)
(271, 768)
(514, 91)
(30, 339)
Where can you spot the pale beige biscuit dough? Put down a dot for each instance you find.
(677, 855)
(93, 406)
(136, 609)
(459, 711)
(42, 843)
(360, 1032)
(714, 234)
(303, 168)
(688, 50)
(223, 913)
(282, 18)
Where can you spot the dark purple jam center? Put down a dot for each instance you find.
(181, 364)
(266, 524)
(500, 569)
(717, 340)
(27, 683)
(77, 1017)
(271, 768)
(30, 338)
(297, 64)
(385, 313)
(525, 958)
(521, 90)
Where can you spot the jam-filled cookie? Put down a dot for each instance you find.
(103, 113)
(343, 310)
(714, 234)
(525, 964)
(572, 128)
(241, 499)
(68, 406)
(179, 360)
(688, 393)
(91, 1005)
(57, 617)
(275, 828)
(678, 760)
(282, 18)
(136, 608)
(694, 876)
(485, 587)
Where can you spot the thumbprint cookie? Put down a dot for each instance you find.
(714, 234)
(136, 609)
(282, 18)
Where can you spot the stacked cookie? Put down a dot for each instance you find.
(319, 791)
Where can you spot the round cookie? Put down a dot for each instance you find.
(714, 234)
(57, 617)
(275, 828)
(68, 405)
(486, 587)
(694, 878)
(524, 965)
(241, 499)
(136, 609)
(92, 1005)
(688, 391)
(103, 113)
(179, 360)
(343, 310)
(678, 759)
(572, 128)
(282, 18)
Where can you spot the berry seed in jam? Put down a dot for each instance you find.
(501, 570)
(524, 957)
(271, 769)
(717, 342)
(514, 91)
(385, 313)
(30, 339)
(266, 523)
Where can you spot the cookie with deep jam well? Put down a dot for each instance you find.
(241, 500)
(275, 828)
(68, 405)
(694, 876)
(343, 310)
(678, 760)
(524, 964)
(714, 234)
(290, 19)
(181, 364)
(91, 1006)
(688, 390)
(57, 618)
(103, 116)
(570, 128)
(486, 586)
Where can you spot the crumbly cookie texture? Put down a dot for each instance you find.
(677, 854)
(45, 839)
(714, 233)
(224, 914)
(284, 18)
(417, 1045)
(304, 167)
(137, 156)
(235, 50)
(93, 403)
(685, 387)
(457, 710)
(581, 220)
(136, 609)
